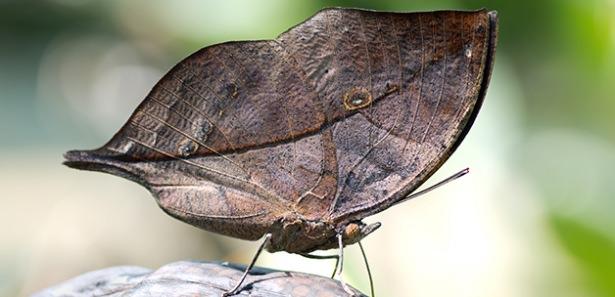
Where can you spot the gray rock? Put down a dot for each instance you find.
(192, 278)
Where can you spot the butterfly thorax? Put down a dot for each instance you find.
(298, 235)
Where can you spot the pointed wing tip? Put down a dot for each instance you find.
(103, 160)
(85, 159)
(77, 158)
(74, 155)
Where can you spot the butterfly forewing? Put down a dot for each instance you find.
(426, 69)
(391, 147)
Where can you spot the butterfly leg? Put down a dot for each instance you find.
(245, 273)
(341, 266)
(337, 263)
(336, 257)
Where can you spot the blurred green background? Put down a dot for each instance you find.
(534, 218)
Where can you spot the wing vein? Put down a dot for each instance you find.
(401, 68)
(217, 217)
(298, 70)
(369, 73)
(265, 193)
(420, 93)
(364, 157)
(443, 76)
(467, 77)
(186, 135)
(197, 110)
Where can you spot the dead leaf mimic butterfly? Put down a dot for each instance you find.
(299, 138)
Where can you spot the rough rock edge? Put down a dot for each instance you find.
(193, 278)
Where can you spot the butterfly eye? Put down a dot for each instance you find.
(352, 231)
(357, 98)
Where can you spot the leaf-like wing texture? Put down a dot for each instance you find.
(439, 62)
(337, 118)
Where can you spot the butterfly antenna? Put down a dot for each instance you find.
(369, 272)
(441, 183)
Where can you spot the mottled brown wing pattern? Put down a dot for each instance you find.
(221, 141)
(337, 118)
(213, 116)
(435, 60)
(413, 146)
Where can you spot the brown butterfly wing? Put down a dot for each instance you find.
(439, 62)
(242, 133)
(220, 140)
(229, 140)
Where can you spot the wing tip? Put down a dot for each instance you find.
(79, 159)
(92, 160)
(102, 160)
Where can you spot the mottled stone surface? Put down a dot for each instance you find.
(191, 278)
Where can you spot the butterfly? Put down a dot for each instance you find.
(298, 138)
